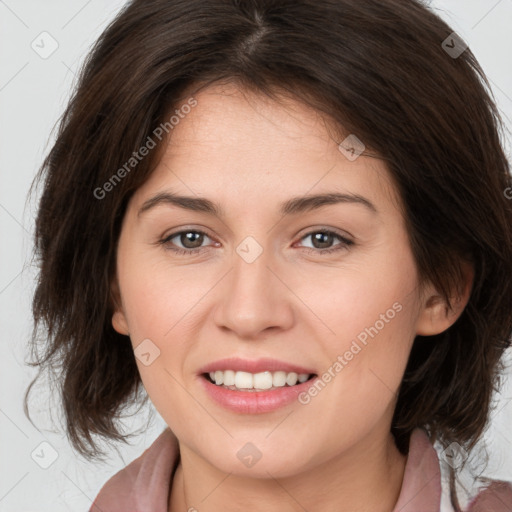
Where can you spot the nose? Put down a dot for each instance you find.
(254, 298)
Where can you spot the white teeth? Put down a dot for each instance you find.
(219, 377)
(258, 381)
(291, 379)
(229, 378)
(262, 380)
(279, 379)
(243, 380)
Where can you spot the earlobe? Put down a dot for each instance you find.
(119, 322)
(436, 316)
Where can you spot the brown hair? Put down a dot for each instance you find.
(379, 70)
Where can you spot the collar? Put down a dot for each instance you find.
(421, 485)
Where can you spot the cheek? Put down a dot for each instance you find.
(368, 316)
(361, 303)
(364, 360)
(370, 343)
(165, 305)
(159, 297)
(161, 305)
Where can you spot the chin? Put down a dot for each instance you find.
(249, 461)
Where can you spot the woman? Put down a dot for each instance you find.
(287, 220)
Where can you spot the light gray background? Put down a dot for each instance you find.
(33, 93)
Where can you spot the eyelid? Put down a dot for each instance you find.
(326, 229)
(186, 229)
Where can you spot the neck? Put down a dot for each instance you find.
(369, 478)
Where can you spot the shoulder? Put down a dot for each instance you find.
(145, 478)
(496, 497)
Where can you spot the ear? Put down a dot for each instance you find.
(119, 322)
(436, 316)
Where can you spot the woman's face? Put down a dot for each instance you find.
(324, 286)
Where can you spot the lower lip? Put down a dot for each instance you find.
(256, 402)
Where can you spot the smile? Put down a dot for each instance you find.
(256, 382)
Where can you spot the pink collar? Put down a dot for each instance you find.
(421, 486)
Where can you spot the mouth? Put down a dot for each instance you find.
(256, 382)
(258, 386)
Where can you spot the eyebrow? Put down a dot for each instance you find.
(293, 206)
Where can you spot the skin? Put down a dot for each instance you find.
(249, 154)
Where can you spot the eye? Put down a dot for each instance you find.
(191, 241)
(322, 241)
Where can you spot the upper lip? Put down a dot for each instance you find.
(253, 366)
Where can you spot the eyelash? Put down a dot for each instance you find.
(178, 250)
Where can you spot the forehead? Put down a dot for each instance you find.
(239, 146)
(242, 122)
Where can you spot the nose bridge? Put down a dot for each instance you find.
(251, 274)
(253, 298)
